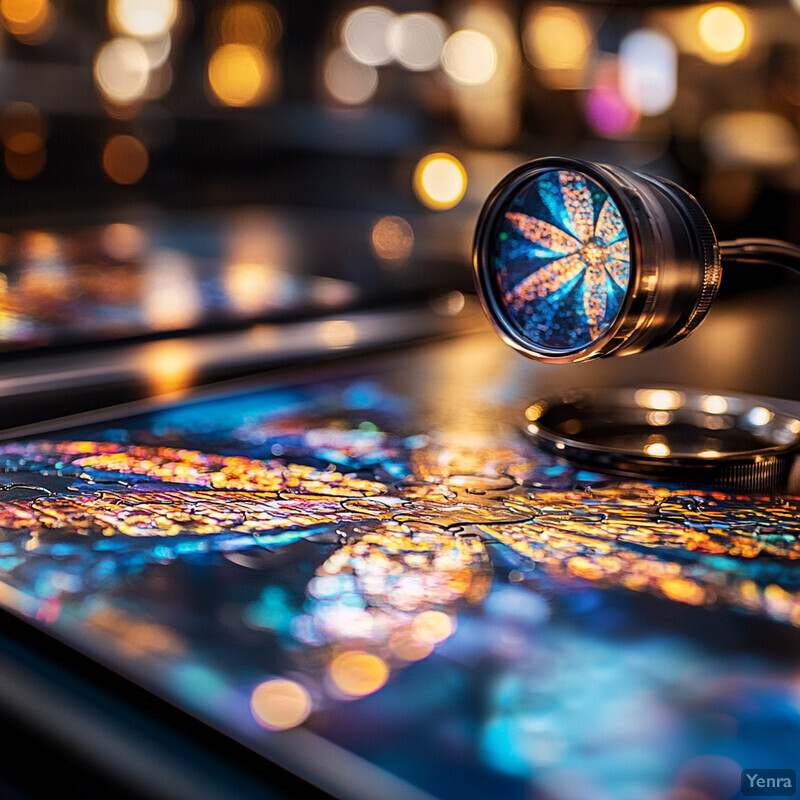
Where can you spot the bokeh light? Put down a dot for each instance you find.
(365, 35)
(433, 626)
(169, 365)
(723, 31)
(657, 449)
(279, 704)
(125, 159)
(255, 23)
(751, 139)
(758, 415)
(557, 38)
(31, 21)
(146, 19)
(392, 238)
(22, 128)
(337, 334)
(416, 41)
(349, 81)
(239, 75)
(489, 102)
(659, 399)
(648, 71)
(25, 166)
(123, 241)
(608, 111)
(469, 57)
(450, 304)
(356, 673)
(171, 298)
(157, 50)
(440, 181)
(407, 647)
(713, 404)
(254, 287)
(122, 70)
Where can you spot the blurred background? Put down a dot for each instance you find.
(172, 166)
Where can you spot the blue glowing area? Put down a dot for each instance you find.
(561, 260)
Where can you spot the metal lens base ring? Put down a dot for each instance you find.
(668, 434)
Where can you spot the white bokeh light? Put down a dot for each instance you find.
(349, 81)
(365, 35)
(648, 71)
(416, 41)
(147, 19)
(469, 58)
(122, 70)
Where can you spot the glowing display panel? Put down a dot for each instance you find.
(562, 260)
(374, 561)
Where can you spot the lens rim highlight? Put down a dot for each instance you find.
(619, 328)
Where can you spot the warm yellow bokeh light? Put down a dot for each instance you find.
(24, 166)
(440, 181)
(239, 75)
(432, 626)
(392, 238)
(661, 399)
(657, 449)
(22, 12)
(252, 287)
(169, 365)
(22, 128)
(356, 673)
(122, 70)
(337, 334)
(559, 38)
(404, 645)
(279, 704)
(27, 19)
(722, 29)
(146, 19)
(255, 23)
(713, 404)
(125, 159)
(469, 58)
(709, 454)
(349, 81)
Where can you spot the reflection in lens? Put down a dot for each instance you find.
(560, 259)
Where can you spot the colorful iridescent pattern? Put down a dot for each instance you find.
(269, 558)
(562, 260)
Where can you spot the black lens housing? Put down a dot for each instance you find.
(674, 261)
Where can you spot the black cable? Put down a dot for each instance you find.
(760, 251)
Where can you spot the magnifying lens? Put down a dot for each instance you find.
(575, 260)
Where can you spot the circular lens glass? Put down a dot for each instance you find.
(561, 260)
